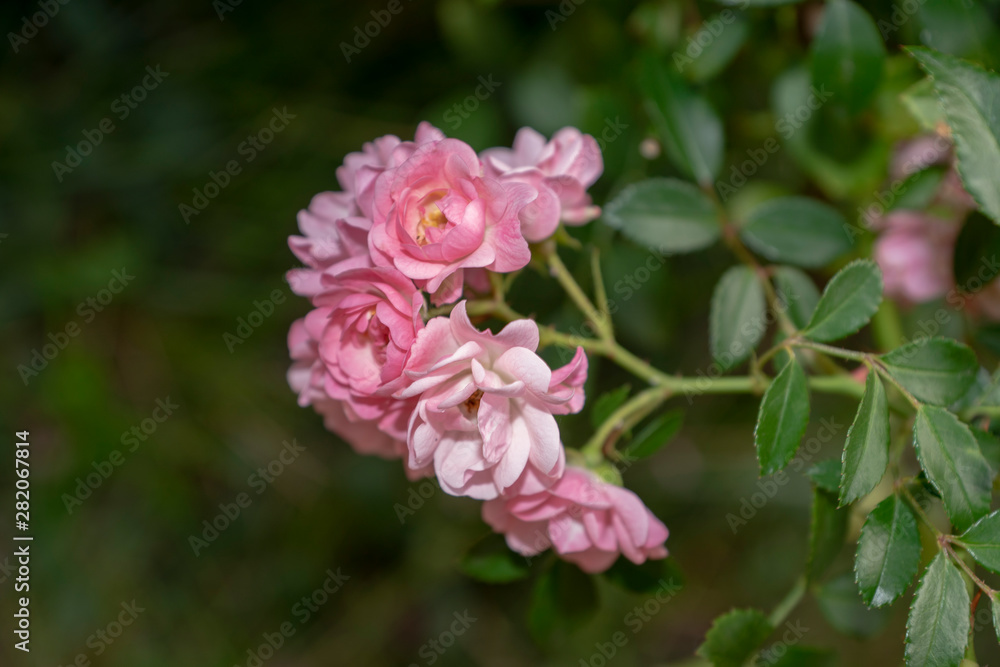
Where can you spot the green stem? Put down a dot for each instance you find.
(575, 292)
(828, 349)
(600, 291)
(789, 603)
(921, 514)
(944, 541)
(626, 416)
(884, 372)
(991, 411)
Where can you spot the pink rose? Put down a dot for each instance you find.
(560, 171)
(915, 254)
(485, 406)
(334, 238)
(586, 520)
(364, 324)
(351, 346)
(435, 216)
(336, 225)
(306, 378)
(360, 170)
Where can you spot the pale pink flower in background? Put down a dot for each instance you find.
(385, 438)
(485, 405)
(586, 520)
(915, 252)
(915, 155)
(560, 171)
(436, 216)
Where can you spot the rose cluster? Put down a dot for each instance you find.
(429, 219)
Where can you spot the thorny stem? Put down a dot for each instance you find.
(945, 542)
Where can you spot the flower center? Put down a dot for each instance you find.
(432, 218)
(471, 404)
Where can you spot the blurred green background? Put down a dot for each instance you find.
(162, 336)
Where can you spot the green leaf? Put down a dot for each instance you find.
(919, 189)
(848, 302)
(796, 656)
(938, 627)
(839, 601)
(951, 458)
(665, 215)
(974, 261)
(690, 129)
(652, 576)
(982, 540)
(923, 104)
(935, 370)
(866, 452)
(995, 604)
(797, 230)
(782, 420)
(658, 433)
(711, 59)
(827, 529)
(960, 28)
(826, 475)
(737, 320)
(562, 600)
(971, 99)
(607, 403)
(888, 552)
(735, 637)
(989, 446)
(491, 561)
(847, 55)
(797, 292)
